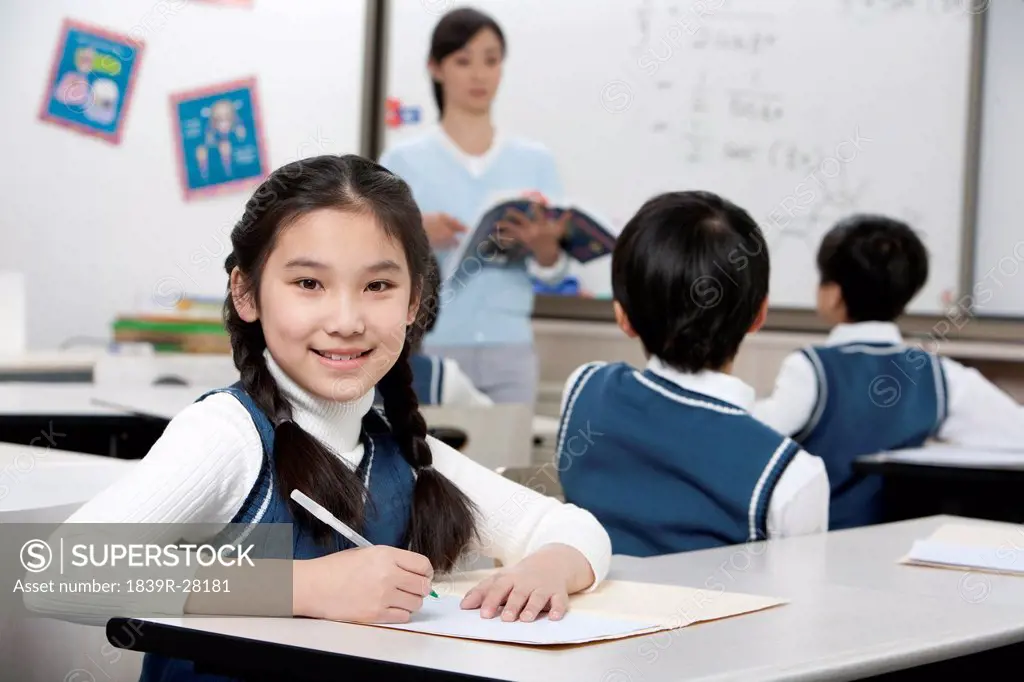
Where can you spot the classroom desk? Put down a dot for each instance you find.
(42, 484)
(122, 422)
(928, 481)
(63, 416)
(860, 558)
(167, 401)
(853, 614)
(50, 366)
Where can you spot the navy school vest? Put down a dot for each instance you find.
(872, 397)
(665, 469)
(427, 378)
(388, 477)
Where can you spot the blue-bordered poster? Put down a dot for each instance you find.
(91, 80)
(219, 138)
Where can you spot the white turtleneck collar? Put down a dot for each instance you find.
(335, 423)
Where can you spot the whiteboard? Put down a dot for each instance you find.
(800, 111)
(998, 283)
(99, 229)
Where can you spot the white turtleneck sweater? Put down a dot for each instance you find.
(208, 458)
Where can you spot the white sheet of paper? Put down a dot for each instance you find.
(444, 616)
(998, 559)
(940, 455)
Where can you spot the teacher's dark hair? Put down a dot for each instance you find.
(451, 34)
(441, 524)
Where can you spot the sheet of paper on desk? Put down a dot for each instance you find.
(943, 455)
(986, 546)
(616, 609)
(444, 616)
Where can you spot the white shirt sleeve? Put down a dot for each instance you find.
(188, 487)
(458, 389)
(552, 274)
(800, 502)
(515, 521)
(791, 404)
(979, 414)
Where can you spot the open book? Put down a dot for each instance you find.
(587, 235)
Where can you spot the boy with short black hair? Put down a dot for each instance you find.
(671, 460)
(864, 391)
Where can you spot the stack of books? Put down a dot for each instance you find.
(194, 325)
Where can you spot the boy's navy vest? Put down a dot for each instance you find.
(427, 378)
(665, 469)
(388, 477)
(872, 397)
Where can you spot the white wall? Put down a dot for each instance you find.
(100, 229)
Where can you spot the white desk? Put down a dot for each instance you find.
(45, 486)
(63, 415)
(167, 401)
(951, 457)
(76, 366)
(499, 435)
(140, 366)
(71, 400)
(944, 480)
(12, 455)
(39, 484)
(860, 558)
(853, 613)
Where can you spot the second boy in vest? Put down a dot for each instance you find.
(668, 458)
(864, 391)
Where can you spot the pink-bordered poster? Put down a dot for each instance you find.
(218, 136)
(91, 80)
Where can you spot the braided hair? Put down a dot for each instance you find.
(442, 517)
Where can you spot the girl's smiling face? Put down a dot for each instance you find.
(335, 299)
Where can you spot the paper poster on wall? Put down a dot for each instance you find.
(397, 114)
(219, 138)
(91, 80)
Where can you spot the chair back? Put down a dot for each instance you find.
(543, 478)
(496, 435)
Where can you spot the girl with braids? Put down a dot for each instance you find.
(326, 278)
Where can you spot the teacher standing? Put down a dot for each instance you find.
(455, 170)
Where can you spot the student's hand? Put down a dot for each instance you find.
(378, 584)
(540, 235)
(441, 229)
(541, 582)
